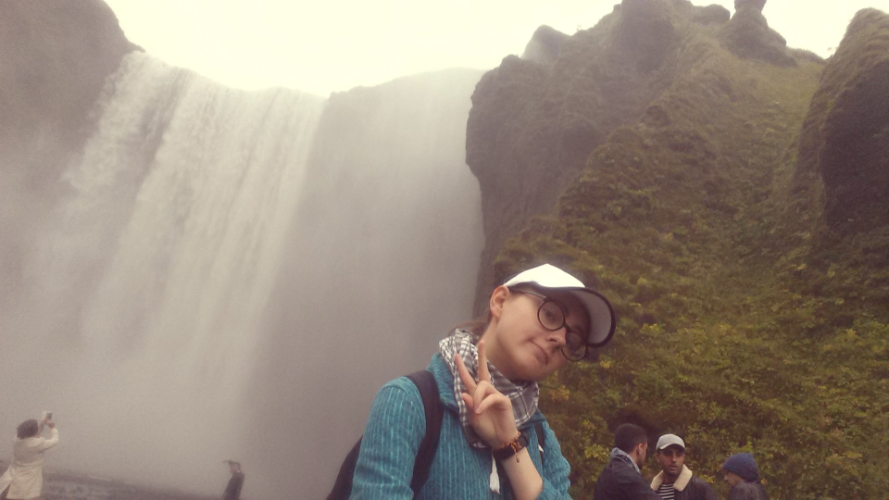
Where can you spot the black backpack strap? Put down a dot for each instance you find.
(342, 487)
(425, 382)
(541, 438)
(433, 410)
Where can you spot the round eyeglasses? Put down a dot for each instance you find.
(551, 316)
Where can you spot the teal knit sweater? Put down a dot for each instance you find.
(392, 437)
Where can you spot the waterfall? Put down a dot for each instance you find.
(387, 245)
(221, 260)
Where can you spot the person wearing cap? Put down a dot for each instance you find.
(622, 478)
(742, 475)
(233, 488)
(487, 373)
(676, 481)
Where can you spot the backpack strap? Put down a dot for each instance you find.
(342, 487)
(541, 438)
(434, 410)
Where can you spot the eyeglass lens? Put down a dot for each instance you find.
(552, 317)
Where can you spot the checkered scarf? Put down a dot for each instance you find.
(523, 397)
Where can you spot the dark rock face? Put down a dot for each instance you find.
(54, 58)
(545, 45)
(846, 135)
(712, 14)
(533, 125)
(748, 35)
(645, 29)
(757, 5)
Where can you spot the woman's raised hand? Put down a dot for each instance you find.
(490, 412)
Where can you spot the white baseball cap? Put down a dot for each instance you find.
(599, 310)
(669, 440)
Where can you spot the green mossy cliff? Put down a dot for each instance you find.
(749, 320)
(535, 120)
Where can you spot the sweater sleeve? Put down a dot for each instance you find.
(395, 427)
(555, 468)
(53, 440)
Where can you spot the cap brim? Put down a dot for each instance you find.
(602, 318)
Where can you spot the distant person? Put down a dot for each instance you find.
(493, 442)
(742, 475)
(233, 489)
(622, 477)
(675, 481)
(24, 478)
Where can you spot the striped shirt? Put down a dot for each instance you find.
(666, 491)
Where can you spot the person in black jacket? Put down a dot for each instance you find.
(676, 481)
(742, 474)
(621, 479)
(233, 489)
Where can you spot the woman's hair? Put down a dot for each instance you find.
(478, 325)
(28, 428)
(475, 326)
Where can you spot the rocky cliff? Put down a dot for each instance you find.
(54, 58)
(753, 311)
(845, 139)
(535, 120)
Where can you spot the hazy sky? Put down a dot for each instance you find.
(334, 45)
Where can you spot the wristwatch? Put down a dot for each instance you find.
(517, 444)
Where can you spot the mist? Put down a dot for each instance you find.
(226, 274)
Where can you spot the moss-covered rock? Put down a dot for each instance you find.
(712, 14)
(533, 124)
(544, 45)
(746, 322)
(845, 139)
(748, 35)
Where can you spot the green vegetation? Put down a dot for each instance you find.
(744, 325)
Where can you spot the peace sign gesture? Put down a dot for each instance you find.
(490, 412)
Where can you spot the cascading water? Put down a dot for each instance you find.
(160, 262)
(233, 274)
(386, 246)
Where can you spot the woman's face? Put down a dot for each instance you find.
(517, 344)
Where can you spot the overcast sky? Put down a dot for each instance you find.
(333, 45)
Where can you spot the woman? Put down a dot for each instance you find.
(24, 477)
(487, 381)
